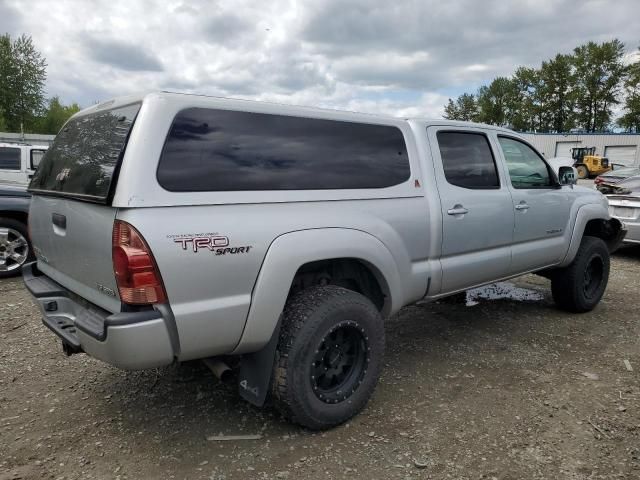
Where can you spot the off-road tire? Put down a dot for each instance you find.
(21, 228)
(583, 172)
(310, 317)
(569, 285)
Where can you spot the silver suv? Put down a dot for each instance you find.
(172, 227)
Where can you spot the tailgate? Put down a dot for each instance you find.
(72, 242)
(70, 218)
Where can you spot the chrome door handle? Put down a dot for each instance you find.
(522, 206)
(457, 210)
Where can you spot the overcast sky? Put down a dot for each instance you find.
(390, 56)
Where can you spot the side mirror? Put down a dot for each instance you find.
(567, 175)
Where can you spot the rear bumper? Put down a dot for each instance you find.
(128, 340)
(633, 232)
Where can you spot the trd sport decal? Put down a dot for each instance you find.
(217, 244)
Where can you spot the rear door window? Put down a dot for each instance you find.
(83, 158)
(467, 160)
(223, 150)
(9, 158)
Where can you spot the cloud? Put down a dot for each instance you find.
(226, 27)
(10, 20)
(404, 58)
(126, 56)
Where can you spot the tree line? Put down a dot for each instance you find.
(23, 106)
(578, 91)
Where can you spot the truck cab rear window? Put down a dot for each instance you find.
(223, 150)
(84, 155)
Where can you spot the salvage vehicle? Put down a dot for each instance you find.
(193, 227)
(605, 181)
(19, 161)
(624, 204)
(15, 249)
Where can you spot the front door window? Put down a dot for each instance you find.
(526, 168)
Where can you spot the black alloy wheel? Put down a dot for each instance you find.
(340, 363)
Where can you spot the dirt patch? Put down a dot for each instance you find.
(503, 389)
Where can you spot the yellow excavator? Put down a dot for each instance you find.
(587, 163)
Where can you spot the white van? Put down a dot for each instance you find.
(19, 161)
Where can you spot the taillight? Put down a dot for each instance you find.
(598, 180)
(137, 275)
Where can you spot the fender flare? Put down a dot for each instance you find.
(288, 252)
(10, 206)
(586, 213)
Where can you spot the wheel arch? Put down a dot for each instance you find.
(19, 216)
(594, 220)
(291, 255)
(352, 273)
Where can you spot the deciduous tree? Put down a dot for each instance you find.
(630, 120)
(568, 91)
(22, 77)
(55, 116)
(464, 108)
(599, 71)
(557, 91)
(494, 103)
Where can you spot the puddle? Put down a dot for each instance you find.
(501, 291)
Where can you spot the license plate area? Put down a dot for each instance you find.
(625, 212)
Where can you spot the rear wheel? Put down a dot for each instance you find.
(329, 356)
(580, 286)
(15, 248)
(583, 172)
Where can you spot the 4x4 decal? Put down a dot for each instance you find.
(217, 244)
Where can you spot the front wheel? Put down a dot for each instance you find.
(583, 172)
(580, 286)
(329, 356)
(15, 249)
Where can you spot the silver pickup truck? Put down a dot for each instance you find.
(171, 227)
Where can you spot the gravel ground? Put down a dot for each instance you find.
(502, 388)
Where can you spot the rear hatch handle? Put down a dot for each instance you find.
(59, 223)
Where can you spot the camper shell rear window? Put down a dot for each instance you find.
(85, 155)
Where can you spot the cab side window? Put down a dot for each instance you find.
(36, 157)
(10, 158)
(467, 160)
(526, 167)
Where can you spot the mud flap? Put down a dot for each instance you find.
(256, 370)
(617, 238)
